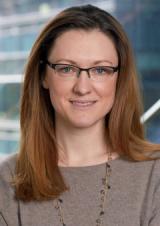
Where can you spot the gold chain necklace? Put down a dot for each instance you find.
(103, 193)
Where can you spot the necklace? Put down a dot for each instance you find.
(103, 194)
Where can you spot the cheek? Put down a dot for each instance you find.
(108, 90)
(55, 97)
(58, 93)
(108, 96)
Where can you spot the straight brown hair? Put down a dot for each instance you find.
(37, 175)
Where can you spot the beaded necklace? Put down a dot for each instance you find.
(103, 193)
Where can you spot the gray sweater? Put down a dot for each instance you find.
(133, 200)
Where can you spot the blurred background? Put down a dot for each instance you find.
(22, 20)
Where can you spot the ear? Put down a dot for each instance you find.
(45, 83)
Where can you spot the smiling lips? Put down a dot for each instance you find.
(82, 103)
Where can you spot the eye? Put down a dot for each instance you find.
(100, 70)
(65, 69)
(104, 70)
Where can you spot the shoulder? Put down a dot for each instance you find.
(146, 173)
(149, 173)
(156, 164)
(7, 167)
(144, 165)
(155, 172)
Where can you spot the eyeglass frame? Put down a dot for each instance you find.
(53, 66)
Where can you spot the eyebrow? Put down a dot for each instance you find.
(75, 63)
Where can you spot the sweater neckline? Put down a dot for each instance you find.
(88, 167)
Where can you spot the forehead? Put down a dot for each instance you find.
(84, 45)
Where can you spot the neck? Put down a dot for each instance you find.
(80, 147)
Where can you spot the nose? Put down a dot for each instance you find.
(82, 84)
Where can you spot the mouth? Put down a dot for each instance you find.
(82, 103)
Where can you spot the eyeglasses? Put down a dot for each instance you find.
(97, 73)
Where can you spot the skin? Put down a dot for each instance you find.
(77, 126)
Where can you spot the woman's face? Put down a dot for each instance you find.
(82, 102)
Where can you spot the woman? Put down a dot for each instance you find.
(83, 158)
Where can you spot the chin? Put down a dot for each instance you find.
(85, 124)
